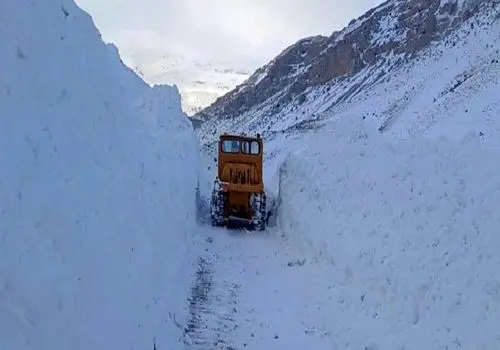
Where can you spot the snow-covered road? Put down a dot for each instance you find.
(253, 292)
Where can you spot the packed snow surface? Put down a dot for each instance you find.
(97, 180)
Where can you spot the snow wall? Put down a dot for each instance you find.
(97, 190)
(410, 230)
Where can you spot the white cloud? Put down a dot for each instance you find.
(253, 30)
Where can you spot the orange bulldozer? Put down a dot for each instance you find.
(238, 195)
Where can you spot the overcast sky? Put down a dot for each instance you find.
(242, 33)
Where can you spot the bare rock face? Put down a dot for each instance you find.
(396, 27)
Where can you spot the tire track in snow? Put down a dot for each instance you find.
(251, 292)
(212, 309)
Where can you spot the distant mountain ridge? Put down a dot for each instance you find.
(382, 39)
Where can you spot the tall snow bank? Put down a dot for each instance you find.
(97, 181)
(410, 231)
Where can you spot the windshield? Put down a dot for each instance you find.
(231, 146)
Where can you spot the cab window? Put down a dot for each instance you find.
(254, 147)
(245, 147)
(231, 146)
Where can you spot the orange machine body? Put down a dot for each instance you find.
(240, 163)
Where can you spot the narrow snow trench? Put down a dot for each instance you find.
(252, 292)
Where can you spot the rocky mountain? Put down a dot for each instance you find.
(320, 72)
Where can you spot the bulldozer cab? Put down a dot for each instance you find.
(238, 193)
(240, 162)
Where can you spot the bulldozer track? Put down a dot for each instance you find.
(212, 309)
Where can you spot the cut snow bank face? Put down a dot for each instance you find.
(410, 230)
(97, 181)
